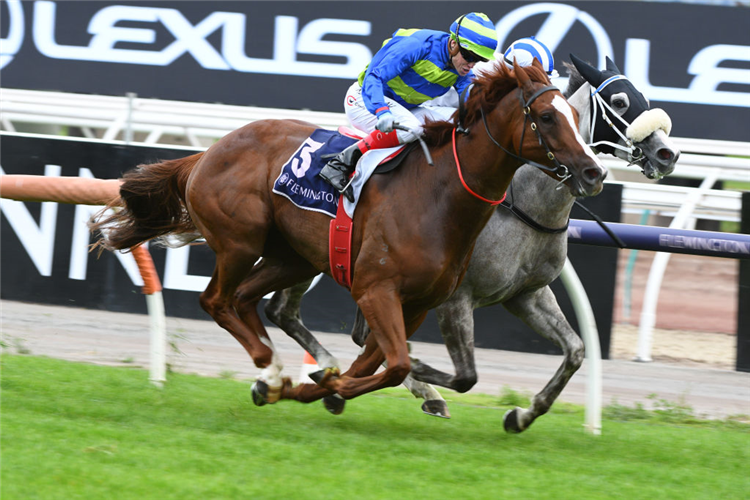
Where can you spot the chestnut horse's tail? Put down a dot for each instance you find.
(153, 204)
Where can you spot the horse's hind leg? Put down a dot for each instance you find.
(268, 275)
(218, 301)
(541, 312)
(283, 309)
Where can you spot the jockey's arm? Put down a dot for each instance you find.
(392, 60)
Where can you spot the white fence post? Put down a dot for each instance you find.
(590, 335)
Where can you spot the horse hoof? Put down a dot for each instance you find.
(334, 404)
(436, 408)
(322, 376)
(259, 391)
(510, 421)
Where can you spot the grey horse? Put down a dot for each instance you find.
(513, 263)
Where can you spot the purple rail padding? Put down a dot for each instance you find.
(662, 239)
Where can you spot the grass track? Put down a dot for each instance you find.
(82, 431)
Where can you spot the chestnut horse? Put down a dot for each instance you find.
(414, 230)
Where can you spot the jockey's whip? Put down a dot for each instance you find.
(419, 138)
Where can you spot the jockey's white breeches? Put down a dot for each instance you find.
(363, 120)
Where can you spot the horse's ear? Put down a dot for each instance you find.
(524, 82)
(611, 66)
(535, 62)
(588, 72)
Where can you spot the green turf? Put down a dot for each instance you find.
(82, 431)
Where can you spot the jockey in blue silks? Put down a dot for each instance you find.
(411, 69)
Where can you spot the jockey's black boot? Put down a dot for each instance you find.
(341, 166)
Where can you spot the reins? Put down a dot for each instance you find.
(463, 182)
(527, 219)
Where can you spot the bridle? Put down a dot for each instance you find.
(561, 171)
(635, 154)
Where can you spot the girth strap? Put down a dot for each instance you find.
(340, 247)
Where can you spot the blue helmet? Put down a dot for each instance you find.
(476, 33)
(525, 50)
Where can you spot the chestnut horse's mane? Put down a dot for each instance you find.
(489, 89)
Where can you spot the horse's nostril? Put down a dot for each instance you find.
(665, 154)
(593, 175)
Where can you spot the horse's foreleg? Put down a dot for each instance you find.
(541, 312)
(434, 404)
(383, 311)
(366, 363)
(283, 309)
(456, 321)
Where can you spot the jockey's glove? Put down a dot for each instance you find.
(385, 122)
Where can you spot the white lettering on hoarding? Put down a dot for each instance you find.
(189, 39)
(705, 67)
(560, 19)
(176, 275)
(38, 241)
(9, 45)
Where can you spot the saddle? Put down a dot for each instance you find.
(390, 163)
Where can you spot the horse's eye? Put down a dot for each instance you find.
(619, 103)
(546, 117)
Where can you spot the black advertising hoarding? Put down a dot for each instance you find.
(44, 254)
(692, 60)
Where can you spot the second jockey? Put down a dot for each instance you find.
(411, 69)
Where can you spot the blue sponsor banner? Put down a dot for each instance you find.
(662, 239)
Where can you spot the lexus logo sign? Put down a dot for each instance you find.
(560, 20)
